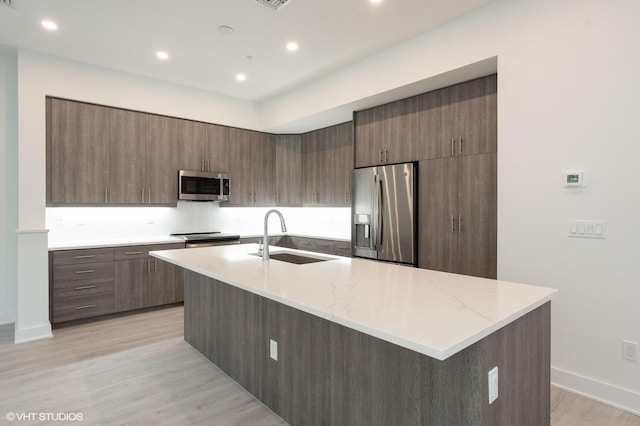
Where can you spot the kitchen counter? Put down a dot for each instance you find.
(433, 313)
(113, 242)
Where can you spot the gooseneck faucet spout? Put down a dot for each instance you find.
(265, 237)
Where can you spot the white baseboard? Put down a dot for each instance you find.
(620, 398)
(33, 333)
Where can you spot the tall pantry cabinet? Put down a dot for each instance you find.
(458, 179)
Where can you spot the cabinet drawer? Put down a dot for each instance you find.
(85, 271)
(132, 252)
(67, 289)
(72, 257)
(83, 307)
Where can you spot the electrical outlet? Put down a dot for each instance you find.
(273, 349)
(493, 384)
(630, 350)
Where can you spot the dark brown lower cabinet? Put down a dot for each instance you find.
(142, 281)
(457, 215)
(81, 284)
(92, 282)
(320, 245)
(330, 374)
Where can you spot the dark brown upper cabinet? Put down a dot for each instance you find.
(203, 147)
(458, 120)
(326, 166)
(251, 168)
(288, 170)
(387, 134)
(77, 153)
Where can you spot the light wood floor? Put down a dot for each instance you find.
(137, 370)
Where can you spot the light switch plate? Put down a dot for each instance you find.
(587, 228)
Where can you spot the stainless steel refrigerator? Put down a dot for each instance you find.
(383, 211)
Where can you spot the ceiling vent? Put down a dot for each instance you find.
(8, 3)
(271, 4)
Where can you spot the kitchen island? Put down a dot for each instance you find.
(365, 342)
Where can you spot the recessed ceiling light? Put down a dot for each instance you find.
(162, 55)
(292, 46)
(225, 29)
(241, 77)
(49, 25)
(375, 1)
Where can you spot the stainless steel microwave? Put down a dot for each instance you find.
(203, 186)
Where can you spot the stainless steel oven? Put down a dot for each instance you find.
(208, 239)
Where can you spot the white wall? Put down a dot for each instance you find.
(568, 91)
(8, 185)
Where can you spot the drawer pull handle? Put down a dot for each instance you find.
(85, 287)
(88, 271)
(133, 252)
(86, 256)
(84, 307)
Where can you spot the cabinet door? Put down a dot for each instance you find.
(191, 143)
(252, 167)
(160, 286)
(130, 278)
(263, 159)
(400, 131)
(216, 148)
(288, 170)
(240, 167)
(387, 134)
(127, 156)
(434, 118)
(77, 153)
(317, 168)
(342, 162)
(162, 160)
(477, 201)
(459, 120)
(368, 136)
(438, 231)
(475, 116)
(165, 281)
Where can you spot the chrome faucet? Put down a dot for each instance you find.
(265, 238)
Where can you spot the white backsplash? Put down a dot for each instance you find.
(99, 223)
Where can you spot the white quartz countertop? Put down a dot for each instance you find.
(113, 242)
(434, 313)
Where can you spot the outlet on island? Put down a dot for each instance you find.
(493, 384)
(273, 349)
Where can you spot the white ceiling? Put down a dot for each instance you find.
(125, 34)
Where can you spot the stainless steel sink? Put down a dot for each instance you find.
(294, 258)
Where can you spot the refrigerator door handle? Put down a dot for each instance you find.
(380, 221)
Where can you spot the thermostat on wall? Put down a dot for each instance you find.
(573, 179)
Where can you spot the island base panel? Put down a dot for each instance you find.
(330, 374)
